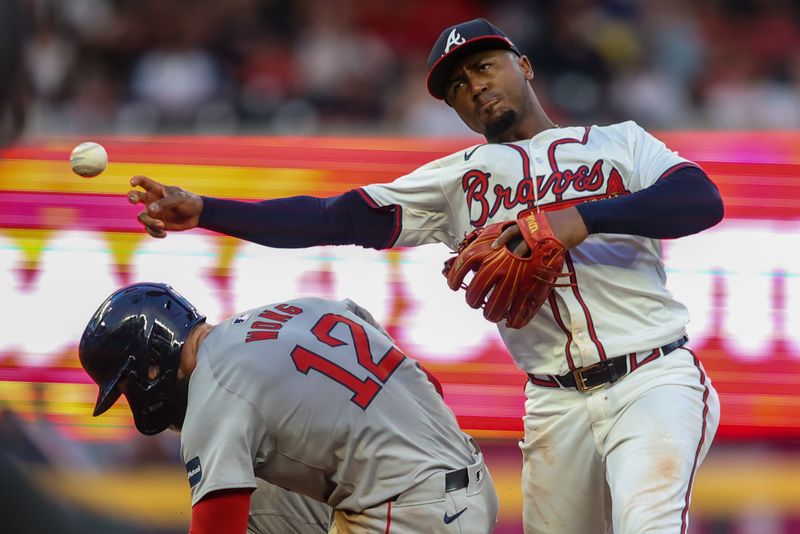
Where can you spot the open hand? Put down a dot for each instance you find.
(167, 207)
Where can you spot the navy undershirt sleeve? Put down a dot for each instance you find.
(682, 203)
(304, 221)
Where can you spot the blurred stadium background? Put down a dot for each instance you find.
(256, 99)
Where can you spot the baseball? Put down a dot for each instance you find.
(88, 159)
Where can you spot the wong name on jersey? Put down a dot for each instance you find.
(275, 319)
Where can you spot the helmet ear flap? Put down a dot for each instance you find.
(152, 405)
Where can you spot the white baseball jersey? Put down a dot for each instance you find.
(312, 396)
(618, 303)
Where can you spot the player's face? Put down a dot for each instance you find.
(182, 393)
(490, 92)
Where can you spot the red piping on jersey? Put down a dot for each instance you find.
(649, 358)
(677, 167)
(398, 217)
(589, 323)
(563, 204)
(549, 383)
(398, 225)
(526, 173)
(684, 522)
(559, 204)
(368, 199)
(551, 151)
(557, 316)
(388, 517)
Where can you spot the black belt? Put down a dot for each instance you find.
(604, 372)
(456, 480)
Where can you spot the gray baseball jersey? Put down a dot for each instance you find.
(274, 510)
(311, 395)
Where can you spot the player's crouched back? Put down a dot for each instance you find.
(310, 395)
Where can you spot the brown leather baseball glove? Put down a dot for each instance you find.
(505, 285)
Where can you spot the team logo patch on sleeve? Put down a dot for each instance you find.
(241, 318)
(194, 471)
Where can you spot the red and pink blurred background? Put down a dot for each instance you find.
(67, 242)
(206, 94)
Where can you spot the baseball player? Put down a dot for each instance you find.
(310, 395)
(620, 412)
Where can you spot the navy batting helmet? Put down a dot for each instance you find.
(137, 327)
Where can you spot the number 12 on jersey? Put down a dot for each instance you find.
(364, 391)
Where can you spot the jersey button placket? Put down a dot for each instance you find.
(575, 320)
(534, 157)
(585, 346)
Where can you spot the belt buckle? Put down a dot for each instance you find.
(580, 380)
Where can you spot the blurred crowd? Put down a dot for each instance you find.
(358, 66)
(319, 66)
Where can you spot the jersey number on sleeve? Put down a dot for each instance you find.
(363, 390)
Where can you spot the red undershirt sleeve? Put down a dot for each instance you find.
(222, 512)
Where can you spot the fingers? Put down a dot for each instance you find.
(155, 233)
(512, 238)
(164, 201)
(521, 249)
(166, 207)
(137, 197)
(154, 207)
(153, 226)
(508, 234)
(152, 190)
(151, 186)
(172, 198)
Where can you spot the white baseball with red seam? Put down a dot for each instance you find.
(88, 159)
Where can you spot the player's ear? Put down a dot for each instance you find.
(153, 370)
(526, 67)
